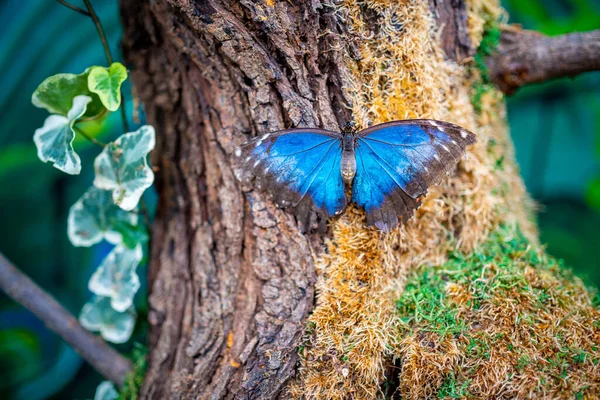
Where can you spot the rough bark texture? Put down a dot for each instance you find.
(231, 281)
(452, 17)
(526, 57)
(231, 277)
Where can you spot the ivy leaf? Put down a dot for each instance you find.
(56, 94)
(54, 140)
(132, 234)
(122, 167)
(95, 217)
(98, 316)
(106, 83)
(116, 277)
(106, 391)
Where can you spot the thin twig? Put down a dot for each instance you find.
(145, 213)
(108, 362)
(90, 138)
(525, 57)
(98, 24)
(107, 53)
(74, 8)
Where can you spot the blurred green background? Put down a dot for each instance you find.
(555, 126)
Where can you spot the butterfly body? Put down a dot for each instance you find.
(384, 169)
(348, 165)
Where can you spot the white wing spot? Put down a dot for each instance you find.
(454, 142)
(266, 170)
(445, 148)
(436, 157)
(238, 152)
(435, 124)
(259, 143)
(256, 163)
(463, 134)
(265, 136)
(247, 159)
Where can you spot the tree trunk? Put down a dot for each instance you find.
(232, 280)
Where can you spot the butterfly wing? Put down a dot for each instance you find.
(300, 168)
(398, 161)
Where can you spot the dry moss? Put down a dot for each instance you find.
(506, 321)
(354, 331)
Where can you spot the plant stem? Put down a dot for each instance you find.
(74, 8)
(96, 20)
(90, 138)
(145, 213)
(98, 353)
(109, 58)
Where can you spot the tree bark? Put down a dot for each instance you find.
(525, 57)
(232, 280)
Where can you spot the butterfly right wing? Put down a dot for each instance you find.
(300, 168)
(398, 161)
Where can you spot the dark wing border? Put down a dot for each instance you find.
(449, 128)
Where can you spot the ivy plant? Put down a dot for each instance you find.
(110, 208)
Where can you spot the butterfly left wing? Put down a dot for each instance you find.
(300, 168)
(398, 161)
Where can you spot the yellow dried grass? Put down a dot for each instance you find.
(354, 330)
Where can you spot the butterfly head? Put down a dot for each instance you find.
(349, 127)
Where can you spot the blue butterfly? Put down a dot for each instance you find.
(385, 168)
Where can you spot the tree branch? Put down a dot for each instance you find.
(525, 57)
(99, 354)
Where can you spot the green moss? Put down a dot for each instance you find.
(489, 43)
(133, 381)
(453, 389)
(521, 284)
(522, 363)
(423, 303)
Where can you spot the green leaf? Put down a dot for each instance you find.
(95, 217)
(98, 315)
(57, 92)
(54, 140)
(106, 83)
(116, 277)
(132, 234)
(592, 194)
(122, 167)
(106, 391)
